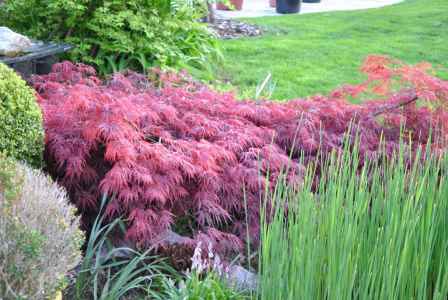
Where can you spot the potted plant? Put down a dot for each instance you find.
(237, 5)
(288, 6)
(272, 3)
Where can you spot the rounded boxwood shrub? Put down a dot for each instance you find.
(40, 239)
(21, 132)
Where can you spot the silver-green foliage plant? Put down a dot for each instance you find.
(39, 236)
(21, 132)
(113, 33)
(376, 232)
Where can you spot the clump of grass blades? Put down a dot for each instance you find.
(373, 232)
(105, 275)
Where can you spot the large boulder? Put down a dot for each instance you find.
(12, 43)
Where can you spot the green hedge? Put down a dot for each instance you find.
(21, 132)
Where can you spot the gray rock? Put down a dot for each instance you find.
(12, 44)
(170, 238)
(241, 279)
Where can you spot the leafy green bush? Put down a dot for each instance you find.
(118, 34)
(21, 133)
(39, 236)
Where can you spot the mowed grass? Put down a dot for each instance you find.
(314, 53)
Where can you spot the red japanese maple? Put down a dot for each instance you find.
(182, 154)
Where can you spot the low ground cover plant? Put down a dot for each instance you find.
(177, 155)
(21, 130)
(118, 34)
(209, 286)
(376, 232)
(40, 239)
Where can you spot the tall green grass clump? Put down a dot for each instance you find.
(379, 231)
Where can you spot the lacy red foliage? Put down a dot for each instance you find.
(184, 155)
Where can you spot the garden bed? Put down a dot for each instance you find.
(122, 177)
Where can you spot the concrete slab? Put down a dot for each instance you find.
(261, 8)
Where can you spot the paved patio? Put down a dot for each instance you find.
(260, 8)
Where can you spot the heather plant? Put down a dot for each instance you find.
(119, 33)
(39, 236)
(376, 232)
(21, 132)
(176, 154)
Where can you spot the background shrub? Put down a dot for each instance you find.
(187, 156)
(117, 34)
(21, 132)
(39, 236)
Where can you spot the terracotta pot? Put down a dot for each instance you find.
(238, 4)
(272, 3)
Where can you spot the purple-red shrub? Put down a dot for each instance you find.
(182, 155)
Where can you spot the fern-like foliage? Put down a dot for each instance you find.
(179, 155)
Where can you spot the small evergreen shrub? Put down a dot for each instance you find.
(118, 34)
(39, 236)
(21, 132)
(187, 156)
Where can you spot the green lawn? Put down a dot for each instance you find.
(314, 53)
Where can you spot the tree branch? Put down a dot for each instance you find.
(410, 99)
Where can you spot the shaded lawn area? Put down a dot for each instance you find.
(314, 53)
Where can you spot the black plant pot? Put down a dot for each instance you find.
(288, 6)
(310, 1)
